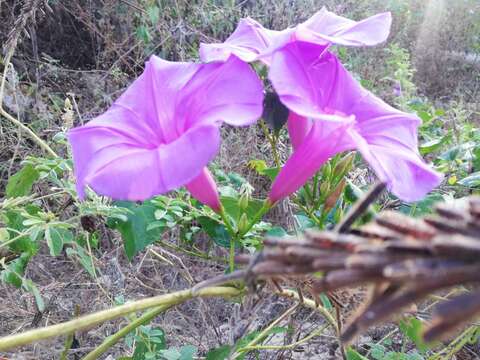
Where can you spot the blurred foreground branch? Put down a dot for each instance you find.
(405, 260)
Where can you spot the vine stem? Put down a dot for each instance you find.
(231, 256)
(90, 320)
(272, 142)
(292, 294)
(288, 346)
(190, 252)
(226, 222)
(115, 338)
(233, 237)
(265, 332)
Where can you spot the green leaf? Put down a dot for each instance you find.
(21, 183)
(412, 328)
(476, 159)
(425, 116)
(304, 222)
(422, 207)
(135, 233)
(236, 179)
(154, 14)
(457, 152)
(326, 301)
(353, 355)
(24, 243)
(378, 352)
(220, 353)
(83, 258)
(187, 352)
(471, 181)
(29, 286)
(276, 231)
(149, 342)
(56, 237)
(15, 270)
(261, 168)
(434, 145)
(217, 232)
(271, 172)
(258, 165)
(143, 34)
(230, 204)
(352, 192)
(170, 354)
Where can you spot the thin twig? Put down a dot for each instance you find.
(360, 207)
(265, 332)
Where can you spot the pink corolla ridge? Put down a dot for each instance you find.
(164, 130)
(251, 41)
(331, 112)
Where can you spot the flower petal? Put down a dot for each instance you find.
(247, 42)
(204, 189)
(229, 92)
(312, 82)
(125, 171)
(251, 41)
(324, 140)
(326, 27)
(147, 108)
(298, 128)
(164, 129)
(406, 174)
(300, 80)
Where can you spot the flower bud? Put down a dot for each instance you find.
(243, 201)
(326, 170)
(344, 165)
(243, 224)
(324, 189)
(204, 189)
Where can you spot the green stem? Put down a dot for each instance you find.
(288, 346)
(226, 222)
(233, 237)
(189, 252)
(90, 320)
(310, 213)
(115, 338)
(456, 345)
(315, 188)
(308, 193)
(272, 142)
(231, 258)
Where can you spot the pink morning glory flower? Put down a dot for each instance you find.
(331, 112)
(164, 130)
(251, 41)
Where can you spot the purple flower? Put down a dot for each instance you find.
(164, 129)
(333, 113)
(251, 41)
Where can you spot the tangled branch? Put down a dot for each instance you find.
(405, 260)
